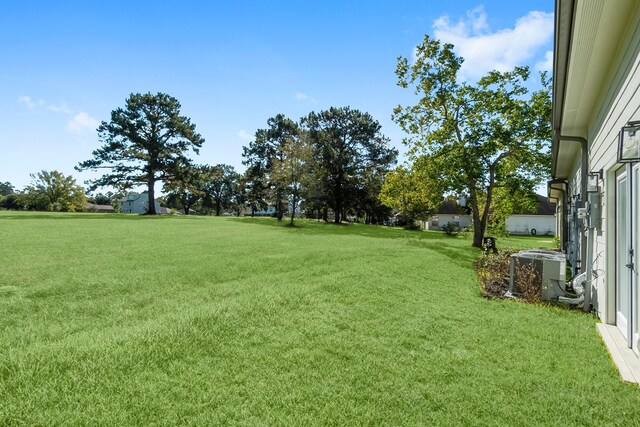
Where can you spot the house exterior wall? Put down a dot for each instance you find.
(525, 224)
(437, 221)
(270, 211)
(137, 205)
(618, 103)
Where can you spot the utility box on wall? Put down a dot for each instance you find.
(595, 212)
(550, 268)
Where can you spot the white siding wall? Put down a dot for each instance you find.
(523, 224)
(619, 103)
(442, 219)
(138, 206)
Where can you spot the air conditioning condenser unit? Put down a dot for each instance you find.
(550, 268)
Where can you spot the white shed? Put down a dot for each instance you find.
(542, 221)
(532, 224)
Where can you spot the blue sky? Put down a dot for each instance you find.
(64, 66)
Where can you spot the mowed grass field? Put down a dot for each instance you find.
(130, 320)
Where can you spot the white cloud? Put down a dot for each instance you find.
(82, 123)
(547, 63)
(304, 97)
(500, 50)
(30, 103)
(244, 135)
(60, 108)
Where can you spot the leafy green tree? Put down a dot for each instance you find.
(51, 191)
(240, 195)
(220, 186)
(14, 201)
(260, 157)
(495, 133)
(411, 192)
(508, 201)
(346, 144)
(369, 209)
(102, 199)
(256, 188)
(6, 188)
(290, 169)
(187, 188)
(145, 142)
(314, 201)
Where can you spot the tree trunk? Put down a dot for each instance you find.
(338, 205)
(152, 196)
(478, 231)
(293, 206)
(480, 222)
(487, 204)
(279, 206)
(478, 228)
(218, 207)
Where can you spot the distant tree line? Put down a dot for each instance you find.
(48, 191)
(330, 163)
(206, 189)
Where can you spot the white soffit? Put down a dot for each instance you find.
(598, 29)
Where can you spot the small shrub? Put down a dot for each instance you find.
(498, 229)
(451, 228)
(528, 282)
(493, 273)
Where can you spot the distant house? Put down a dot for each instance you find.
(91, 207)
(541, 221)
(455, 211)
(182, 212)
(137, 203)
(269, 211)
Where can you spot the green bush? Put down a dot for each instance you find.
(493, 273)
(451, 228)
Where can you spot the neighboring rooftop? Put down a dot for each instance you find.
(545, 207)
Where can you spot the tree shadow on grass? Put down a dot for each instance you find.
(27, 215)
(456, 248)
(330, 228)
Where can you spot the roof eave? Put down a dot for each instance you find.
(564, 13)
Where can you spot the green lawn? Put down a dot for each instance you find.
(120, 320)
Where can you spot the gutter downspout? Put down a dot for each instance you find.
(564, 208)
(584, 176)
(589, 269)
